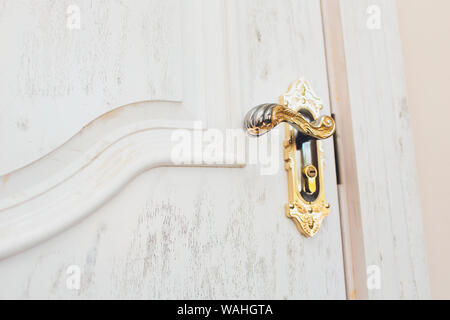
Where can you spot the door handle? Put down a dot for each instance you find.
(299, 108)
(263, 118)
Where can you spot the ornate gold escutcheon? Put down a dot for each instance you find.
(300, 109)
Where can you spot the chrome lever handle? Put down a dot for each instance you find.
(263, 118)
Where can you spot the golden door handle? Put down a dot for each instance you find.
(304, 158)
(263, 118)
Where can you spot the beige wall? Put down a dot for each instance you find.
(425, 32)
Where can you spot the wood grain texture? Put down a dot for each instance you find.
(55, 79)
(87, 171)
(348, 188)
(390, 208)
(203, 232)
(183, 233)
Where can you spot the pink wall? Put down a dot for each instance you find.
(425, 32)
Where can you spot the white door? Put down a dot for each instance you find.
(95, 97)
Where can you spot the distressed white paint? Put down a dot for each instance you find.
(178, 232)
(390, 208)
(90, 176)
(54, 79)
(183, 233)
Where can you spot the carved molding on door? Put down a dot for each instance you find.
(89, 169)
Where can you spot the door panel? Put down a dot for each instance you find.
(174, 232)
(184, 233)
(57, 78)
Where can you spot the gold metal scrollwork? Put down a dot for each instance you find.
(300, 109)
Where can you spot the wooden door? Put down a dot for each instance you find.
(94, 95)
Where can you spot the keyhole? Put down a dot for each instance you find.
(311, 172)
